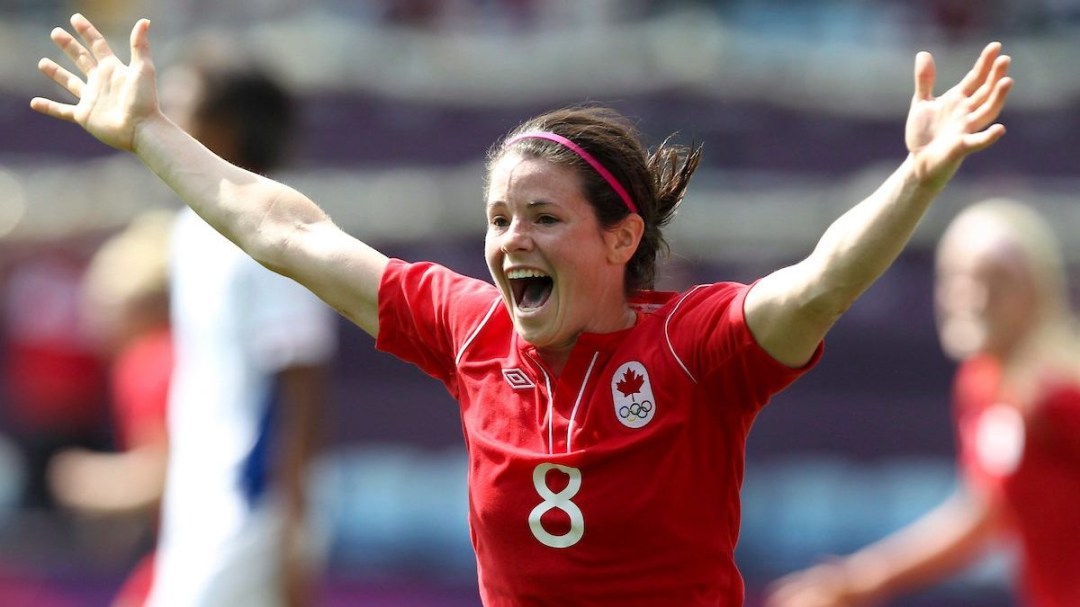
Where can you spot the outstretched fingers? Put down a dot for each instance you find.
(975, 142)
(83, 60)
(97, 44)
(113, 98)
(74, 50)
(991, 84)
(71, 83)
(977, 76)
(62, 111)
(943, 130)
(991, 107)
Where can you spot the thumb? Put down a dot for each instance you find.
(140, 41)
(925, 74)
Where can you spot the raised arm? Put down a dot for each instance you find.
(790, 310)
(276, 225)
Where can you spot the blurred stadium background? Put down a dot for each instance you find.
(801, 108)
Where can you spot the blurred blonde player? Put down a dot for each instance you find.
(1003, 312)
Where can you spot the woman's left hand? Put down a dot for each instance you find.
(942, 131)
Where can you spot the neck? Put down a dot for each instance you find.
(555, 360)
(1048, 353)
(556, 357)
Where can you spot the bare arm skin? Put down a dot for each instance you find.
(279, 227)
(932, 548)
(790, 310)
(303, 405)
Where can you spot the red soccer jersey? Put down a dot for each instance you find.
(616, 482)
(1032, 466)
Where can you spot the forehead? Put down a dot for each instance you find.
(982, 253)
(515, 176)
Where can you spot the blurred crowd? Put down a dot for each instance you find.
(955, 17)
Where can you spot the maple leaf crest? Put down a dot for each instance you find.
(630, 383)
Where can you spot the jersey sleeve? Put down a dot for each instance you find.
(709, 328)
(427, 313)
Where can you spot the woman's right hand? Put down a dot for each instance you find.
(114, 100)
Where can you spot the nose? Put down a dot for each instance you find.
(962, 295)
(517, 237)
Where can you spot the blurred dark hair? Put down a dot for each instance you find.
(656, 181)
(241, 96)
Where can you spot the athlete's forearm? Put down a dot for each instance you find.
(940, 544)
(256, 213)
(791, 310)
(863, 242)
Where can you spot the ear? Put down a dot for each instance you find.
(622, 239)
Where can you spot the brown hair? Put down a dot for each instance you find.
(655, 181)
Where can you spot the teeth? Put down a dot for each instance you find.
(524, 273)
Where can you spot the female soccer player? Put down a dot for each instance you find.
(1003, 312)
(605, 423)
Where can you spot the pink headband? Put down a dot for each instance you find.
(587, 157)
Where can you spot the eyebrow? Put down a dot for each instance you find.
(532, 204)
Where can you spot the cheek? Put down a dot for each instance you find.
(961, 297)
(1013, 315)
(491, 249)
(961, 337)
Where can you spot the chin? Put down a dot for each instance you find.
(538, 337)
(534, 336)
(962, 352)
(961, 340)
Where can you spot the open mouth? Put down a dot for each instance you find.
(531, 288)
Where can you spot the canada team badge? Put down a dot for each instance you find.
(632, 394)
(999, 439)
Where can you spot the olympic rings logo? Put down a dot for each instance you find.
(636, 411)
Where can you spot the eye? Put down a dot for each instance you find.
(498, 221)
(547, 219)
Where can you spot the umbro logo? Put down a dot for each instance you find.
(517, 379)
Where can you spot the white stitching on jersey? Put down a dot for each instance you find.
(573, 412)
(476, 331)
(667, 334)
